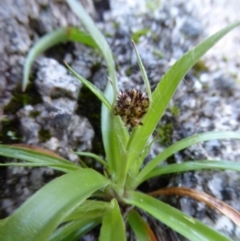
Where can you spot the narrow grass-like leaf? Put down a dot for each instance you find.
(37, 149)
(91, 87)
(189, 227)
(137, 34)
(109, 129)
(80, 36)
(131, 178)
(75, 235)
(97, 36)
(165, 90)
(212, 202)
(89, 208)
(141, 229)
(74, 230)
(193, 166)
(96, 157)
(36, 158)
(180, 145)
(40, 215)
(58, 167)
(115, 138)
(55, 37)
(113, 227)
(143, 73)
(114, 134)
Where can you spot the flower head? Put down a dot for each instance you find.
(131, 105)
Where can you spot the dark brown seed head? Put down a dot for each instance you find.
(131, 105)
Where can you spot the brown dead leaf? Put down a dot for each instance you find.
(212, 202)
(38, 149)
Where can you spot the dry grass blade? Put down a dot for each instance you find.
(39, 149)
(212, 202)
(151, 234)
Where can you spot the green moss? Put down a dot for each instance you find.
(129, 71)
(155, 37)
(10, 131)
(225, 58)
(44, 135)
(205, 86)
(158, 53)
(175, 111)
(137, 34)
(20, 99)
(116, 25)
(12, 135)
(153, 4)
(200, 66)
(10, 128)
(165, 134)
(108, 34)
(34, 113)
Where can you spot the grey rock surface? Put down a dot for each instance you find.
(49, 118)
(53, 81)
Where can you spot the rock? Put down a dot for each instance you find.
(80, 133)
(53, 80)
(58, 123)
(191, 28)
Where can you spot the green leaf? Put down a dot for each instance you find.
(35, 158)
(193, 166)
(164, 92)
(89, 208)
(137, 34)
(143, 73)
(115, 138)
(96, 157)
(74, 230)
(131, 179)
(113, 227)
(97, 36)
(114, 133)
(58, 167)
(40, 215)
(75, 235)
(55, 37)
(86, 216)
(189, 227)
(134, 169)
(140, 227)
(92, 87)
(180, 145)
